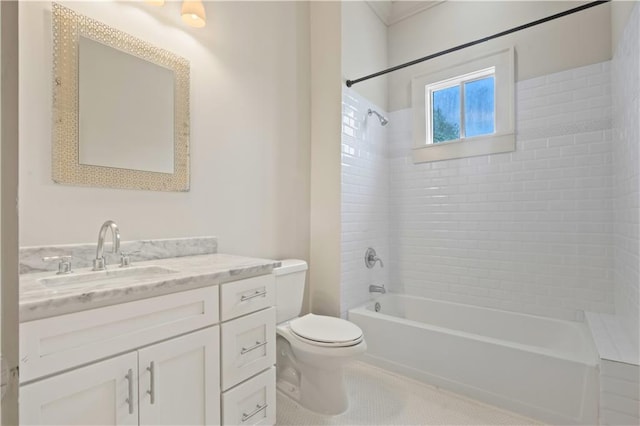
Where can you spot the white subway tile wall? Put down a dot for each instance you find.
(619, 399)
(528, 231)
(365, 199)
(626, 177)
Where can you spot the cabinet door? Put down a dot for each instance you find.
(180, 380)
(104, 393)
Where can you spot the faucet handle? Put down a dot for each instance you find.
(64, 264)
(371, 257)
(99, 264)
(125, 259)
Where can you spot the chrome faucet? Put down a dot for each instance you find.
(370, 258)
(100, 263)
(377, 289)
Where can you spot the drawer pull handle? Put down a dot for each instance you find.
(254, 347)
(259, 408)
(129, 378)
(152, 391)
(256, 294)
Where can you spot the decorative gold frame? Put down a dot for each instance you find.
(68, 26)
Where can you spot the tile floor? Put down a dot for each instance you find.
(378, 397)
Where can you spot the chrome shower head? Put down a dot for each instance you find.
(383, 120)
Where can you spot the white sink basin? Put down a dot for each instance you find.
(108, 275)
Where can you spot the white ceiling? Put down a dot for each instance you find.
(393, 11)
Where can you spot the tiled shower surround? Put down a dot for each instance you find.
(625, 69)
(365, 199)
(529, 231)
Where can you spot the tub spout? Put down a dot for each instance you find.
(377, 289)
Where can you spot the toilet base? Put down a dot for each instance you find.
(288, 389)
(324, 391)
(287, 381)
(323, 395)
(314, 378)
(317, 389)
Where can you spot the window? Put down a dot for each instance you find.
(465, 110)
(462, 107)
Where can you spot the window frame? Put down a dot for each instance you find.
(503, 138)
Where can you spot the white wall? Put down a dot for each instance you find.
(527, 231)
(620, 13)
(365, 199)
(250, 142)
(364, 50)
(569, 42)
(326, 92)
(626, 175)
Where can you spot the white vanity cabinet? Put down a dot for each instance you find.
(176, 381)
(169, 359)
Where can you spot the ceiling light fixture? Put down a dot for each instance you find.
(193, 13)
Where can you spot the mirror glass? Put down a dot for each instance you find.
(120, 108)
(125, 110)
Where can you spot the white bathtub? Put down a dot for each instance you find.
(539, 367)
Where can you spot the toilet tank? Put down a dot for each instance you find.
(290, 278)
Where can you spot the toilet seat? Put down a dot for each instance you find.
(320, 330)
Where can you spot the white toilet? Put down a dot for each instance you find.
(312, 349)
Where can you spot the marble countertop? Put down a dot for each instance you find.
(38, 301)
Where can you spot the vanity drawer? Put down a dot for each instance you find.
(54, 344)
(251, 403)
(245, 296)
(248, 346)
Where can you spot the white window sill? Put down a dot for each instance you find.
(481, 145)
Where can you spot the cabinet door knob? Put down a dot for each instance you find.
(256, 294)
(259, 408)
(129, 378)
(254, 347)
(152, 382)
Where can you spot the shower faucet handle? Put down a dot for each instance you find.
(370, 258)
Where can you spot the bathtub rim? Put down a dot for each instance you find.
(593, 360)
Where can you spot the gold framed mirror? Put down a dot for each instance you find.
(120, 108)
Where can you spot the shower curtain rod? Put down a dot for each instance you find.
(481, 40)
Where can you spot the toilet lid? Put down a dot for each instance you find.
(324, 329)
